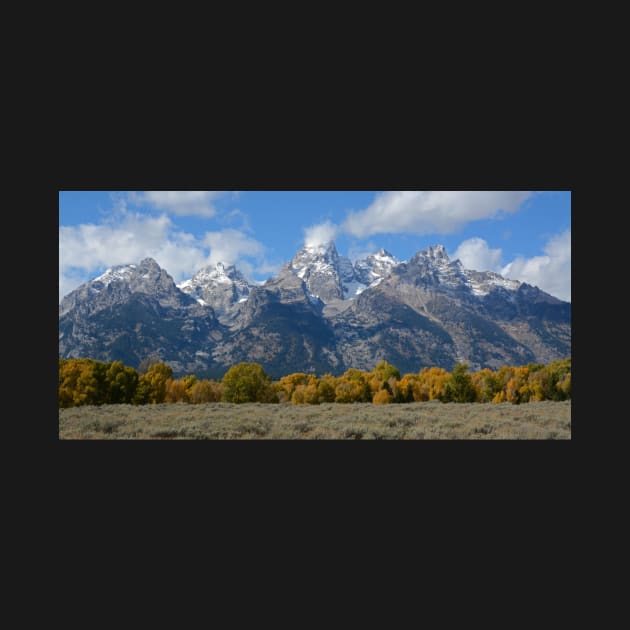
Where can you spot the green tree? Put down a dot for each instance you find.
(353, 387)
(82, 382)
(326, 388)
(247, 382)
(486, 385)
(121, 383)
(459, 387)
(385, 371)
(152, 385)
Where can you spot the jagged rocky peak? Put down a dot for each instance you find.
(429, 312)
(119, 272)
(317, 257)
(323, 271)
(219, 273)
(332, 277)
(288, 288)
(435, 253)
(145, 277)
(373, 268)
(148, 264)
(221, 286)
(435, 267)
(147, 269)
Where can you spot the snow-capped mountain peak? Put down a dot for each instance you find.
(119, 272)
(220, 286)
(372, 269)
(221, 273)
(383, 253)
(322, 270)
(321, 249)
(438, 268)
(435, 254)
(327, 275)
(142, 277)
(330, 277)
(426, 311)
(322, 258)
(118, 283)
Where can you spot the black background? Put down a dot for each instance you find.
(466, 495)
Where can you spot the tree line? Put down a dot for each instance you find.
(90, 382)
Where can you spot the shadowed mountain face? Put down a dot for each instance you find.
(319, 314)
(281, 327)
(133, 312)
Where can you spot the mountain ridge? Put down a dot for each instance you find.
(320, 313)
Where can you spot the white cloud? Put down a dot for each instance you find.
(180, 202)
(229, 245)
(320, 234)
(551, 272)
(430, 211)
(475, 253)
(115, 242)
(233, 247)
(85, 250)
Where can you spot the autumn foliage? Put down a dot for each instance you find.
(89, 382)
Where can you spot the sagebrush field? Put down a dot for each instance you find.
(331, 421)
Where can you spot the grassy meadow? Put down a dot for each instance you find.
(329, 421)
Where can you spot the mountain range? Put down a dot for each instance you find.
(321, 313)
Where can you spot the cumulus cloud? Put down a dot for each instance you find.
(180, 202)
(430, 211)
(475, 253)
(551, 272)
(113, 242)
(85, 250)
(320, 234)
(234, 247)
(130, 237)
(229, 245)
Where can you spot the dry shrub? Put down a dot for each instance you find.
(366, 421)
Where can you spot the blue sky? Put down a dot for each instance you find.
(525, 235)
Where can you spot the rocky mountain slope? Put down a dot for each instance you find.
(432, 311)
(135, 311)
(320, 313)
(221, 287)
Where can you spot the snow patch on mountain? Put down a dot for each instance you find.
(120, 272)
(215, 277)
(222, 287)
(482, 286)
(329, 276)
(372, 269)
(353, 289)
(437, 266)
